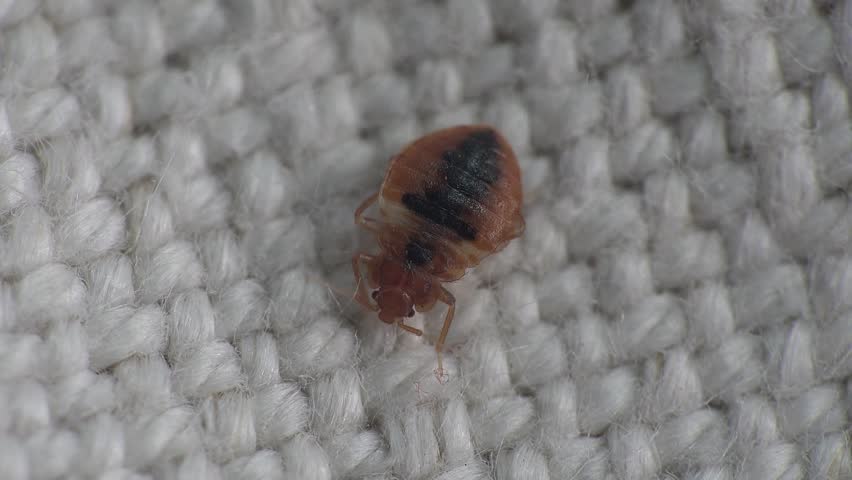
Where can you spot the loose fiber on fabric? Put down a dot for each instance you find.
(177, 184)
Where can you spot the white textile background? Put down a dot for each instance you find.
(177, 183)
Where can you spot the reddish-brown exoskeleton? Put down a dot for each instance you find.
(447, 201)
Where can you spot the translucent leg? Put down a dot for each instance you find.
(410, 329)
(361, 294)
(450, 300)
(369, 223)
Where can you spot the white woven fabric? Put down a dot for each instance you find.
(177, 183)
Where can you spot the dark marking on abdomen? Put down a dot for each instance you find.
(473, 166)
(418, 253)
(470, 170)
(436, 212)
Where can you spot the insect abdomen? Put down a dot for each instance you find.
(466, 173)
(456, 190)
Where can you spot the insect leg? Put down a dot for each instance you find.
(450, 300)
(410, 329)
(361, 295)
(366, 222)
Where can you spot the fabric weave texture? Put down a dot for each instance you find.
(177, 185)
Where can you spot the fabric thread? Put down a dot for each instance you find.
(177, 183)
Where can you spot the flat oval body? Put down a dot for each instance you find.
(450, 199)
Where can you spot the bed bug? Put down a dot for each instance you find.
(447, 201)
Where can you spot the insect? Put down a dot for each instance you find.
(447, 201)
